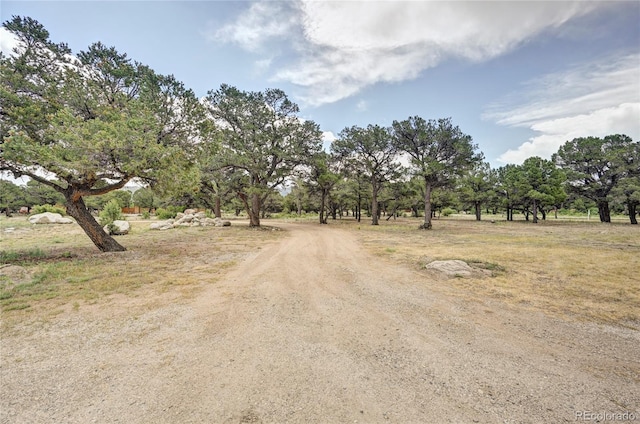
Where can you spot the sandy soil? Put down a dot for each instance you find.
(314, 329)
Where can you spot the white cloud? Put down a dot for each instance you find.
(362, 106)
(263, 20)
(263, 65)
(346, 46)
(7, 41)
(595, 99)
(622, 119)
(328, 137)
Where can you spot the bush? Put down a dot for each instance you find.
(167, 213)
(111, 212)
(48, 208)
(146, 215)
(448, 211)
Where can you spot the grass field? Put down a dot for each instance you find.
(51, 268)
(575, 269)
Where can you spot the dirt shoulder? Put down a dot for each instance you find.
(313, 328)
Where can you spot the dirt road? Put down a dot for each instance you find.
(315, 329)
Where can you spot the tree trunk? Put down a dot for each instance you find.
(217, 207)
(78, 210)
(535, 211)
(374, 204)
(253, 210)
(427, 206)
(603, 211)
(478, 211)
(323, 199)
(632, 212)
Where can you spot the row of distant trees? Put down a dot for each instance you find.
(85, 125)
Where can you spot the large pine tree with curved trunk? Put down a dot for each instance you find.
(88, 124)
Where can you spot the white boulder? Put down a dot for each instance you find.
(119, 228)
(452, 268)
(162, 225)
(49, 218)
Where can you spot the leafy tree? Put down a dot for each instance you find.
(263, 142)
(594, 166)
(373, 153)
(541, 184)
(477, 187)
(122, 197)
(510, 188)
(41, 194)
(111, 211)
(628, 191)
(145, 198)
(12, 197)
(438, 153)
(87, 125)
(323, 176)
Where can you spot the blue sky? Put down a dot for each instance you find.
(520, 77)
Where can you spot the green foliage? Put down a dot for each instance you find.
(594, 166)
(477, 187)
(448, 211)
(146, 215)
(112, 211)
(123, 197)
(37, 193)
(47, 208)
(21, 256)
(145, 198)
(168, 212)
(369, 151)
(438, 151)
(92, 124)
(12, 196)
(263, 143)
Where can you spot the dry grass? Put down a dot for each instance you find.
(51, 268)
(584, 270)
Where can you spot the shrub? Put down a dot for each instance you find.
(48, 208)
(110, 212)
(146, 215)
(168, 212)
(448, 211)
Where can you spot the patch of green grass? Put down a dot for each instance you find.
(22, 256)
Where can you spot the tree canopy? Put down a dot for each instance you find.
(594, 166)
(371, 153)
(263, 142)
(438, 153)
(85, 125)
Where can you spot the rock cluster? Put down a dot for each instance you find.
(189, 218)
(50, 218)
